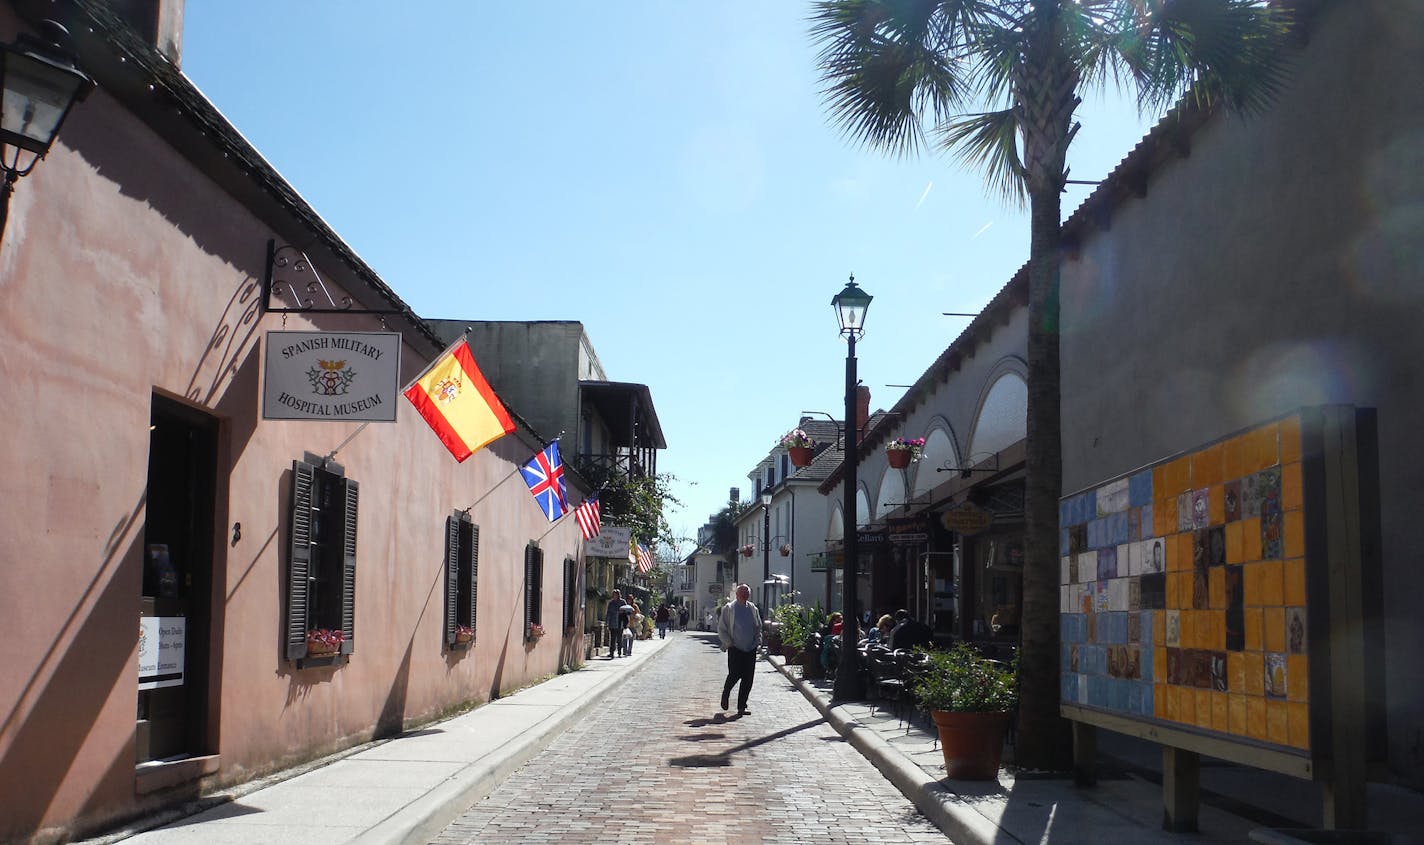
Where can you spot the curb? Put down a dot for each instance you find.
(926, 793)
(422, 820)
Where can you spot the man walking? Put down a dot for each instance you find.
(613, 618)
(739, 629)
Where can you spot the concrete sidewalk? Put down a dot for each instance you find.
(1239, 804)
(401, 790)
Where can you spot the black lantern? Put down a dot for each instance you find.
(851, 305)
(39, 84)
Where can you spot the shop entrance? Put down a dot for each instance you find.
(177, 583)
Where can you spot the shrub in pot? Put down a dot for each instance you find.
(971, 699)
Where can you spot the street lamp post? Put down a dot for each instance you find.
(765, 544)
(850, 306)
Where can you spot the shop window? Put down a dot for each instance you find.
(570, 593)
(533, 586)
(321, 569)
(462, 577)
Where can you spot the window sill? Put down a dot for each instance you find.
(318, 662)
(156, 775)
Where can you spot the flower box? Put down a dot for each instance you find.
(324, 642)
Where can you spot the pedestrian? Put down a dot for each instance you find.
(663, 617)
(611, 620)
(683, 614)
(739, 629)
(628, 636)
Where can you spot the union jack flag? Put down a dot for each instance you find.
(586, 515)
(545, 476)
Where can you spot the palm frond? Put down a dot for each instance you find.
(989, 142)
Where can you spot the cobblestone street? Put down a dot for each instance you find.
(660, 763)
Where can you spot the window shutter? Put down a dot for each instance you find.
(528, 588)
(570, 593)
(299, 560)
(348, 566)
(452, 575)
(474, 576)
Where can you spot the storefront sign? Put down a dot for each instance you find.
(715, 588)
(161, 641)
(612, 541)
(908, 531)
(967, 518)
(332, 376)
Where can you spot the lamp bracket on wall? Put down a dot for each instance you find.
(966, 471)
(291, 278)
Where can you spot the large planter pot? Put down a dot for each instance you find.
(801, 455)
(811, 665)
(973, 743)
(898, 458)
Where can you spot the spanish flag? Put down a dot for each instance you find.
(459, 404)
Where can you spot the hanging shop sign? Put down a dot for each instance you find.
(966, 518)
(611, 541)
(908, 531)
(333, 376)
(161, 643)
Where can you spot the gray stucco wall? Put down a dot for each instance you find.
(1281, 264)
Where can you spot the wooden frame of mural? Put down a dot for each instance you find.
(1226, 602)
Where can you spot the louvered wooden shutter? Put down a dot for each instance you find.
(570, 593)
(528, 587)
(348, 566)
(299, 560)
(452, 575)
(474, 574)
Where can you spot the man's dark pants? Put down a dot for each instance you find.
(741, 666)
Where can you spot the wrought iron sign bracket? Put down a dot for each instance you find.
(290, 274)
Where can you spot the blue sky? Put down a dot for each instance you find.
(664, 172)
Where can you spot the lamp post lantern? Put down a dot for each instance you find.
(765, 544)
(39, 84)
(850, 306)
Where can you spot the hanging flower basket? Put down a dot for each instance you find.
(800, 446)
(785, 550)
(898, 458)
(746, 551)
(801, 456)
(902, 450)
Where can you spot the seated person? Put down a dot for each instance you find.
(1005, 620)
(909, 632)
(837, 623)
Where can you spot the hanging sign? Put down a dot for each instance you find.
(967, 518)
(332, 376)
(908, 531)
(161, 641)
(611, 541)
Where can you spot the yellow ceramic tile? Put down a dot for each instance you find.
(1234, 542)
(1275, 629)
(1292, 491)
(1173, 600)
(1216, 588)
(1236, 672)
(1188, 628)
(1220, 721)
(1176, 561)
(1174, 701)
(1159, 661)
(1256, 718)
(1178, 476)
(1293, 576)
(1233, 461)
(1272, 583)
(1251, 539)
(1255, 673)
(1255, 621)
(1159, 699)
(1251, 584)
(1203, 708)
(1218, 630)
(1206, 467)
(1164, 515)
(1264, 449)
(1216, 504)
(1236, 708)
(1294, 545)
(1159, 635)
(1291, 444)
(1277, 722)
(1159, 484)
(1298, 722)
(1297, 677)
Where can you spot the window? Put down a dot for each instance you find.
(533, 587)
(321, 569)
(571, 604)
(462, 578)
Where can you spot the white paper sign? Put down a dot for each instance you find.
(161, 643)
(612, 541)
(333, 376)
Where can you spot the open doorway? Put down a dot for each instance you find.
(177, 583)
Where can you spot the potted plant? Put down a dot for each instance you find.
(322, 642)
(971, 699)
(800, 446)
(902, 450)
(747, 550)
(535, 630)
(785, 550)
(464, 634)
(791, 621)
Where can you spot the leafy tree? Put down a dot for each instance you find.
(998, 81)
(637, 503)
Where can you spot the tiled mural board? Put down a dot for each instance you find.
(1183, 591)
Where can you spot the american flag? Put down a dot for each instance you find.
(586, 515)
(645, 558)
(545, 476)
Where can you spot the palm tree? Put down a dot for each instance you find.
(903, 74)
